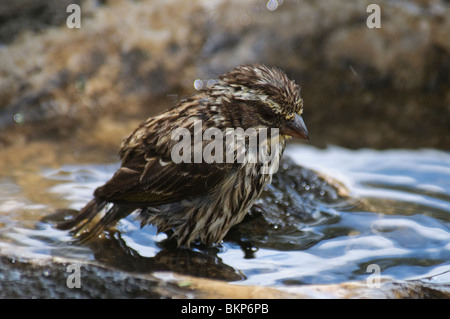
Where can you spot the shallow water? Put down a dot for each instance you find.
(400, 223)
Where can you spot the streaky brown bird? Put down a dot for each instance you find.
(191, 200)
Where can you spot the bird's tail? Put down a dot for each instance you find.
(83, 223)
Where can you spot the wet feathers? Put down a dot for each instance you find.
(195, 201)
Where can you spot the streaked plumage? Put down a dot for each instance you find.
(193, 201)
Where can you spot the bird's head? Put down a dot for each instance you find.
(263, 96)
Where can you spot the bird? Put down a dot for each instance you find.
(198, 201)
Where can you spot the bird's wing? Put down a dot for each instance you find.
(148, 176)
(158, 184)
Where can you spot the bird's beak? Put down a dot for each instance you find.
(295, 128)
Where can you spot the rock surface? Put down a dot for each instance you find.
(48, 278)
(380, 88)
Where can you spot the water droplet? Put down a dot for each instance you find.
(198, 84)
(211, 82)
(18, 118)
(272, 5)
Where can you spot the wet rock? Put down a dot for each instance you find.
(297, 198)
(363, 87)
(388, 289)
(47, 279)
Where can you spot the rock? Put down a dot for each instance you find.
(106, 69)
(47, 278)
(389, 289)
(296, 198)
(362, 87)
(29, 15)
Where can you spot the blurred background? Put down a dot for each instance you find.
(385, 87)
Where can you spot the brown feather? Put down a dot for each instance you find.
(194, 200)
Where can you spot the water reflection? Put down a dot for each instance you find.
(116, 252)
(389, 208)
